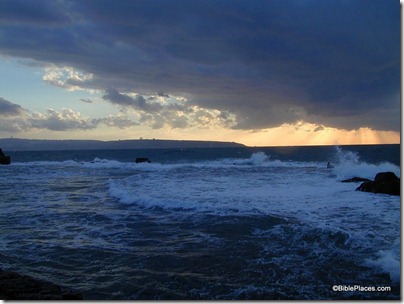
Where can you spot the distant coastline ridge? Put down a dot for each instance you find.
(19, 144)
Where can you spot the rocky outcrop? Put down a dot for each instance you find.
(355, 180)
(142, 160)
(384, 182)
(19, 287)
(4, 159)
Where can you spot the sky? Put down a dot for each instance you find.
(257, 72)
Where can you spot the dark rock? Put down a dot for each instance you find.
(386, 177)
(14, 286)
(392, 188)
(366, 186)
(355, 180)
(142, 160)
(4, 160)
(384, 182)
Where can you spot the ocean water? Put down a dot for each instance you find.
(216, 224)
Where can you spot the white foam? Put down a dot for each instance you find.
(291, 189)
(258, 158)
(348, 164)
(117, 190)
(45, 163)
(388, 261)
(98, 163)
(307, 192)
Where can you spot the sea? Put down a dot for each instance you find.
(241, 223)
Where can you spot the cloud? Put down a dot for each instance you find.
(138, 102)
(120, 121)
(63, 120)
(86, 100)
(162, 94)
(8, 108)
(319, 128)
(265, 62)
(66, 77)
(39, 12)
(68, 119)
(168, 111)
(14, 118)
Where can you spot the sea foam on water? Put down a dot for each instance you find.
(258, 158)
(261, 226)
(389, 261)
(347, 164)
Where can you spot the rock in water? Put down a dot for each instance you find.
(142, 160)
(384, 182)
(386, 177)
(4, 159)
(355, 180)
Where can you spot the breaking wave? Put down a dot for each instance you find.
(349, 164)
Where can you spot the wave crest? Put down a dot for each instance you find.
(348, 164)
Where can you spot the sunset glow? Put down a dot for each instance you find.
(261, 75)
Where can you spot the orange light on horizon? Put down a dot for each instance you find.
(308, 134)
(299, 134)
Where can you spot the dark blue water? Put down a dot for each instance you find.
(367, 153)
(203, 224)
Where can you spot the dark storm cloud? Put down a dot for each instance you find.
(335, 63)
(138, 102)
(171, 113)
(34, 12)
(12, 116)
(8, 108)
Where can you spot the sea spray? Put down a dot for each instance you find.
(227, 224)
(348, 164)
(258, 158)
(388, 260)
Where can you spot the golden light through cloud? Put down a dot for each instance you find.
(245, 85)
(299, 134)
(309, 134)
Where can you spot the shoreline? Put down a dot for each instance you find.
(14, 286)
